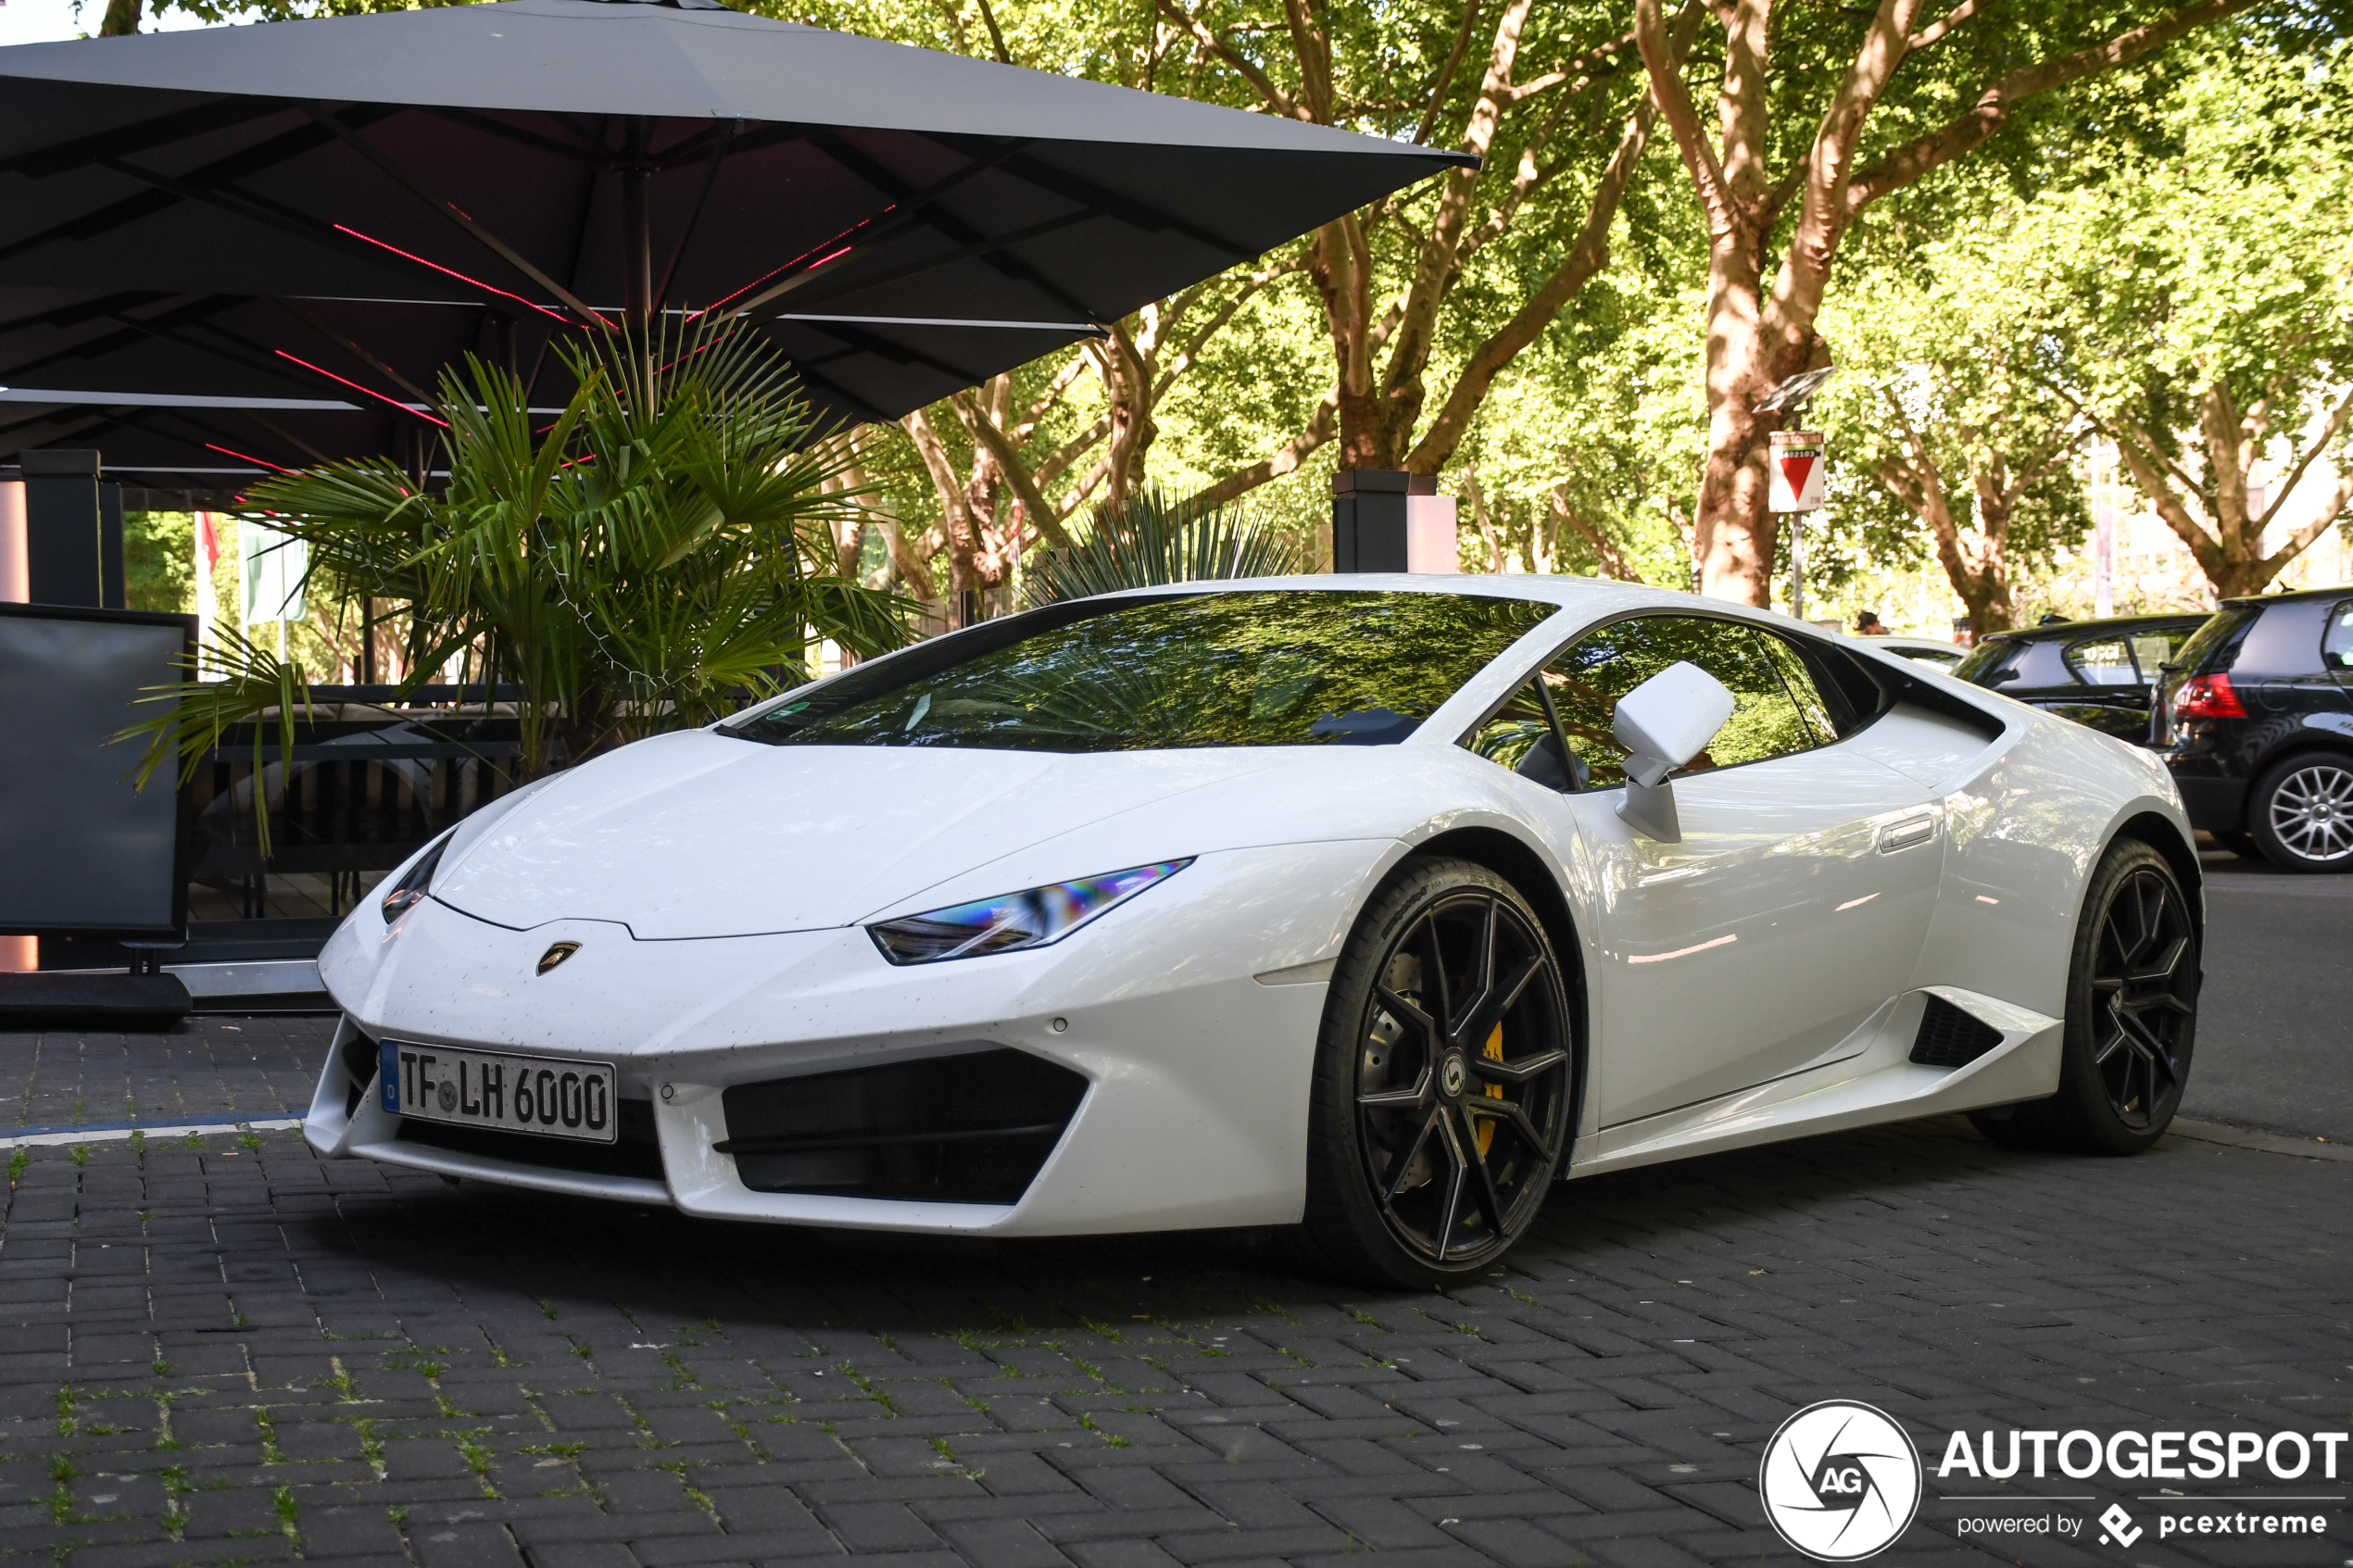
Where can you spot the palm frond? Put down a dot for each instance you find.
(633, 566)
(1147, 539)
(196, 715)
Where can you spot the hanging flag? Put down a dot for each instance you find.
(1794, 471)
(273, 566)
(207, 600)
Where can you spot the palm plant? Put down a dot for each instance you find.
(1147, 539)
(636, 565)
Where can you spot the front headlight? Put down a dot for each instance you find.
(1013, 921)
(413, 886)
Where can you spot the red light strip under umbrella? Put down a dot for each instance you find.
(368, 392)
(245, 458)
(452, 272)
(724, 300)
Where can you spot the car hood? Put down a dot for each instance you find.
(701, 834)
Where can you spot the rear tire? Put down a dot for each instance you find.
(2131, 1016)
(1444, 1088)
(2300, 814)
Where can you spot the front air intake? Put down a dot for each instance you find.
(1950, 1037)
(636, 1151)
(957, 1129)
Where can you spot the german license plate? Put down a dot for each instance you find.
(514, 1093)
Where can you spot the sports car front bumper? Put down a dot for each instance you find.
(1194, 1108)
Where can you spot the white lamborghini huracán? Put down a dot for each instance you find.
(1363, 905)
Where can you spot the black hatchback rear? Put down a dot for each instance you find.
(2256, 722)
(2103, 673)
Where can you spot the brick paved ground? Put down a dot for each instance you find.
(231, 1351)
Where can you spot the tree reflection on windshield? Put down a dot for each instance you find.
(1296, 666)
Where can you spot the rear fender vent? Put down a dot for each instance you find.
(1950, 1037)
(958, 1129)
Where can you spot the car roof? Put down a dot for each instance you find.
(2294, 596)
(1568, 593)
(2113, 623)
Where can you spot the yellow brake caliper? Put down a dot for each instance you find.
(1494, 1052)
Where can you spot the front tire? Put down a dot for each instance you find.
(1444, 1087)
(2300, 814)
(2132, 1015)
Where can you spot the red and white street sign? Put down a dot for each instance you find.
(1795, 470)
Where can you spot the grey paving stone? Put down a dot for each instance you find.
(230, 1350)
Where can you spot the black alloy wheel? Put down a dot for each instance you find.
(2132, 1015)
(2302, 814)
(1444, 1080)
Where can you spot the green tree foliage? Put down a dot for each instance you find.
(1821, 113)
(1147, 540)
(2203, 295)
(159, 560)
(1951, 435)
(1429, 297)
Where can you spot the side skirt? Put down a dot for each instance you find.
(1870, 1079)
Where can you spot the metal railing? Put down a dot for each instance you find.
(353, 795)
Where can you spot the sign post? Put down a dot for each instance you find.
(1794, 468)
(1795, 488)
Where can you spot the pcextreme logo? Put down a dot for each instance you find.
(1840, 1481)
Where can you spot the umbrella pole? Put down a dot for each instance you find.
(637, 251)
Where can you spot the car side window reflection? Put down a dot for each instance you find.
(2154, 650)
(1519, 735)
(1799, 682)
(2336, 642)
(1587, 678)
(2105, 661)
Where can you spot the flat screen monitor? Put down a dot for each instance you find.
(80, 850)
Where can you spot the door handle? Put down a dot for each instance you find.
(1907, 833)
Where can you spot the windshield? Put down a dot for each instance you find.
(1292, 666)
(2213, 646)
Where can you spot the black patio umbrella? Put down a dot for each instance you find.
(902, 221)
(209, 447)
(290, 383)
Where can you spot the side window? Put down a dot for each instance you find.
(2337, 642)
(2043, 663)
(1587, 678)
(1518, 736)
(1812, 701)
(2154, 650)
(2104, 662)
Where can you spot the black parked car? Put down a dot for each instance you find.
(2257, 724)
(2103, 673)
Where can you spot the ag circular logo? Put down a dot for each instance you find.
(1840, 1481)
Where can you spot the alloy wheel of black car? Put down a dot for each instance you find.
(2132, 1015)
(1457, 1076)
(2303, 815)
